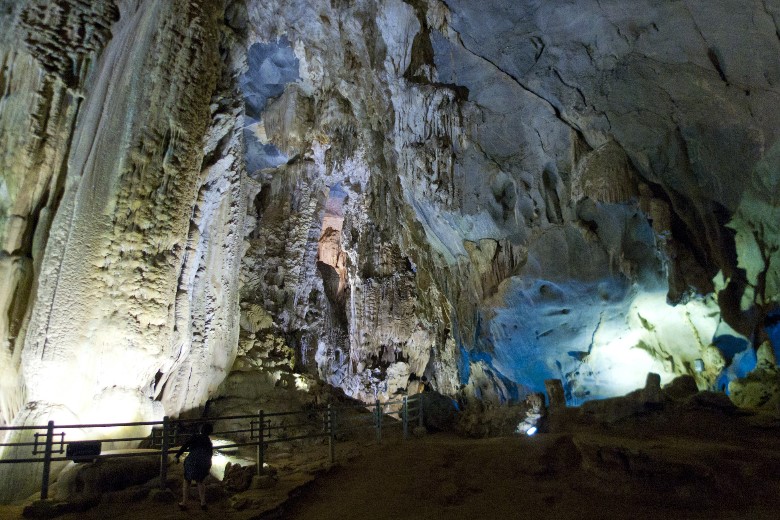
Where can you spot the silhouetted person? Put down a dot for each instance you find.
(197, 464)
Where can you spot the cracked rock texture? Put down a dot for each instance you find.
(224, 199)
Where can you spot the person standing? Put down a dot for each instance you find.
(197, 464)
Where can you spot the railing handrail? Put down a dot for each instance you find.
(365, 406)
(147, 423)
(261, 431)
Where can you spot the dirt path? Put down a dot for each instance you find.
(545, 476)
(590, 474)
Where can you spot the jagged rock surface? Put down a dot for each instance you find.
(470, 197)
(549, 175)
(45, 52)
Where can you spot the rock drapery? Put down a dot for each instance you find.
(40, 82)
(387, 195)
(140, 211)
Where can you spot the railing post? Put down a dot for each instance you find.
(405, 417)
(331, 435)
(47, 460)
(378, 408)
(164, 452)
(260, 439)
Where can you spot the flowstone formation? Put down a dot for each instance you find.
(217, 200)
(39, 82)
(122, 212)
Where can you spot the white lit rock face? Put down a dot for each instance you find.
(40, 84)
(124, 150)
(203, 201)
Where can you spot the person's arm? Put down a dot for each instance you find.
(184, 447)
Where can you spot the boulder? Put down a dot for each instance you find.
(47, 509)
(711, 401)
(439, 412)
(616, 408)
(759, 389)
(238, 478)
(680, 388)
(652, 391)
(264, 481)
(163, 496)
(555, 391)
(88, 482)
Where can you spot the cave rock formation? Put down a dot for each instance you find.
(220, 199)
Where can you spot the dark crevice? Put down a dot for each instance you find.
(712, 54)
(262, 200)
(573, 87)
(421, 58)
(552, 201)
(461, 92)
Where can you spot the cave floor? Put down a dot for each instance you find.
(548, 476)
(698, 467)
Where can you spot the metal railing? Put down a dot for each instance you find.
(263, 429)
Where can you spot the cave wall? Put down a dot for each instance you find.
(46, 52)
(123, 207)
(385, 195)
(562, 187)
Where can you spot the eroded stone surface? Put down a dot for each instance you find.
(46, 49)
(467, 197)
(576, 161)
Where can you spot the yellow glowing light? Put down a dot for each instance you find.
(219, 461)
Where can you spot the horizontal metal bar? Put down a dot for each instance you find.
(107, 425)
(14, 428)
(319, 411)
(297, 425)
(362, 419)
(146, 423)
(280, 414)
(234, 445)
(214, 419)
(353, 406)
(121, 439)
(127, 455)
(290, 439)
(101, 456)
(226, 432)
(195, 421)
(39, 443)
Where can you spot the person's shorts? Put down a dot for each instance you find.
(197, 466)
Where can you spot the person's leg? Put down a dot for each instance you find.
(202, 492)
(185, 492)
